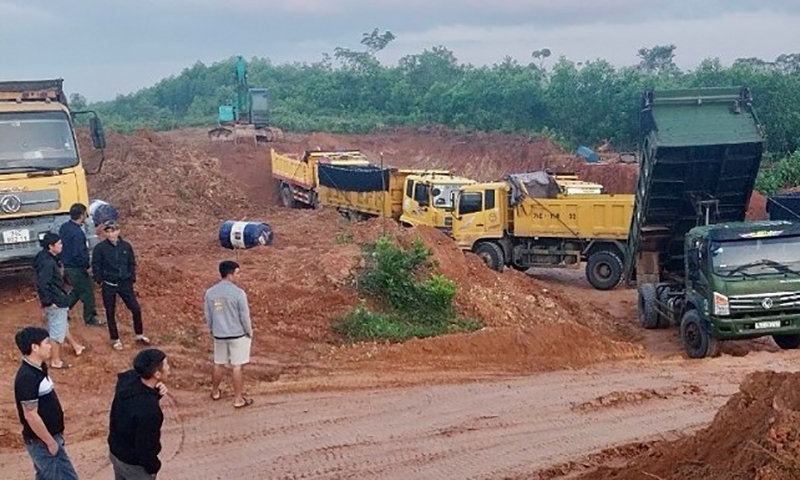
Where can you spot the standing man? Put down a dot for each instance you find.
(134, 437)
(39, 409)
(75, 257)
(114, 267)
(53, 297)
(228, 318)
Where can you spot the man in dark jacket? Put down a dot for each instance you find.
(134, 437)
(53, 297)
(75, 257)
(114, 268)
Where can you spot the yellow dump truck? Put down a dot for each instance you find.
(41, 172)
(533, 220)
(358, 189)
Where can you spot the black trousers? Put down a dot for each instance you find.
(128, 296)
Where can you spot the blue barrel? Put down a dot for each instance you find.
(233, 234)
(101, 212)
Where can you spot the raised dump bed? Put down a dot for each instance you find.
(700, 154)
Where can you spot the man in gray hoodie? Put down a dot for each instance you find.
(228, 318)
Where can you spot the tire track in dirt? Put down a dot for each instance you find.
(476, 430)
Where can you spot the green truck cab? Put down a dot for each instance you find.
(697, 264)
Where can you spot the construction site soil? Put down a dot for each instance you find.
(173, 191)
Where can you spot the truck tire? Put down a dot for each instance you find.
(287, 197)
(697, 340)
(492, 255)
(648, 313)
(604, 270)
(787, 342)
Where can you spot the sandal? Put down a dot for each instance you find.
(79, 350)
(217, 396)
(63, 366)
(247, 403)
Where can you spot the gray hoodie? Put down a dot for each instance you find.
(227, 312)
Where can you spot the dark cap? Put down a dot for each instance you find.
(50, 238)
(148, 361)
(110, 225)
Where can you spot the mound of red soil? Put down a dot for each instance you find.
(148, 177)
(755, 436)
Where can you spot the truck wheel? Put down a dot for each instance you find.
(787, 342)
(492, 255)
(604, 270)
(287, 198)
(648, 313)
(697, 340)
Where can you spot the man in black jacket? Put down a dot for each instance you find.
(53, 298)
(134, 437)
(75, 257)
(114, 267)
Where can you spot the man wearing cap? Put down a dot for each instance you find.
(75, 257)
(54, 299)
(114, 268)
(134, 437)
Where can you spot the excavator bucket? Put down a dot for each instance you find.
(220, 133)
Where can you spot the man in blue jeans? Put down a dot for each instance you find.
(39, 409)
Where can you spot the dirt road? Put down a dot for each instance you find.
(492, 429)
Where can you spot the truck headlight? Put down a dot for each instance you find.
(721, 305)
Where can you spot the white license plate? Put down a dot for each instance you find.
(16, 236)
(772, 324)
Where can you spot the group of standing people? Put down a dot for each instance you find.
(112, 265)
(136, 417)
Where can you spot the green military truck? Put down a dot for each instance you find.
(696, 262)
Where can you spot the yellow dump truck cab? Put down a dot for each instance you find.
(529, 220)
(41, 173)
(429, 198)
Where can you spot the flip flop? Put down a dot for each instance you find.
(247, 403)
(217, 396)
(80, 350)
(64, 366)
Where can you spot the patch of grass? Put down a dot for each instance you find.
(418, 303)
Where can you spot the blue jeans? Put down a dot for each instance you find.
(51, 467)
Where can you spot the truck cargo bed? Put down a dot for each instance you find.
(701, 151)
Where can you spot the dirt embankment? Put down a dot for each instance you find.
(755, 436)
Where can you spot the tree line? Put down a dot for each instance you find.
(573, 103)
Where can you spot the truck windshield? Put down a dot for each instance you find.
(756, 256)
(36, 140)
(443, 196)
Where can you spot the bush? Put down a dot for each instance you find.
(417, 303)
(778, 174)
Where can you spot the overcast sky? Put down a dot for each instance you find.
(106, 47)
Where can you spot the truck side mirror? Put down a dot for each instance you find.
(98, 135)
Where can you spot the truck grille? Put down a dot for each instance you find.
(765, 302)
(28, 202)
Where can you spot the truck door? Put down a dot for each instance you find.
(416, 204)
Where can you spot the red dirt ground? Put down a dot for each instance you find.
(755, 436)
(173, 192)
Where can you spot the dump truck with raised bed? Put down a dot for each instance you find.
(347, 181)
(530, 220)
(696, 261)
(41, 171)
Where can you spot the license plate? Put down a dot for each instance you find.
(772, 324)
(16, 236)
